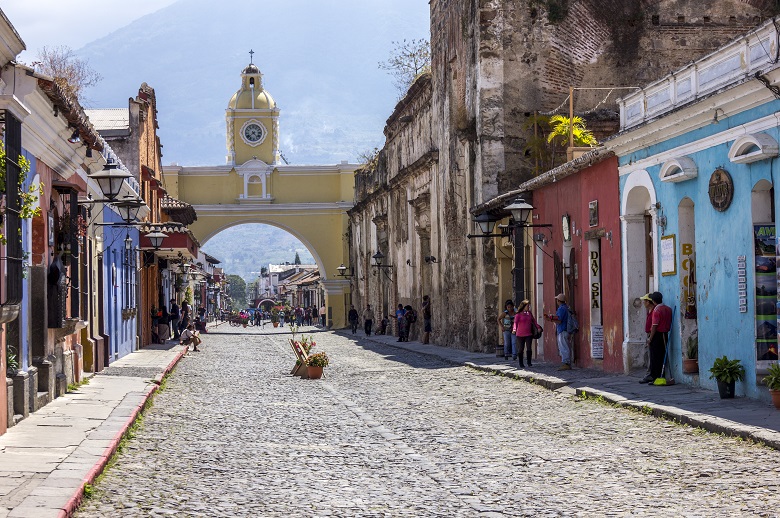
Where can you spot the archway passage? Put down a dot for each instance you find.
(310, 203)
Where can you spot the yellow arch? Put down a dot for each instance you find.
(309, 202)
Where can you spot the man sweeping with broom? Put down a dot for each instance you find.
(659, 335)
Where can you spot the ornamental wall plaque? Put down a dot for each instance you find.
(721, 189)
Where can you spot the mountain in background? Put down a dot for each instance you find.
(244, 249)
(318, 57)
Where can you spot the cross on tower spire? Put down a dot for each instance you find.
(251, 56)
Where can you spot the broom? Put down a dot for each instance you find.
(662, 381)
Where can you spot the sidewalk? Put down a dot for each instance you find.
(46, 459)
(740, 417)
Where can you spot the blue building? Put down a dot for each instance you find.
(697, 158)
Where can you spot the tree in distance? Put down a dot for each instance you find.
(70, 72)
(237, 291)
(407, 60)
(297, 259)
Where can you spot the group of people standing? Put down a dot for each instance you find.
(406, 318)
(520, 328)
(169, 323)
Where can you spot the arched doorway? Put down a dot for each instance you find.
(638, 209)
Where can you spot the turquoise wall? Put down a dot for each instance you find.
(720, 238)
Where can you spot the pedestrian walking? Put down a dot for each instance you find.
(426, 311)
(174, 315)
(353, 319)
(561, 319)
(507, 320)
(323, 313)
(524, 326)
(368, 319)
(401, 321)
(383, 325)
(658, 338)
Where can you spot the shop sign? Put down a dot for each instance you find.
(742, 282)
(721, 190)
(597, 342)
(669, 255)
(596, 330)
(765, 274)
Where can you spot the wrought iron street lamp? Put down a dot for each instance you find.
(110, 180)
(156, 238)
(128, 209)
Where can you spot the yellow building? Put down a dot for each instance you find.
(310, 202)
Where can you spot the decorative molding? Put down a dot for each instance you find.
(753, 147)
(678, 170)
(755, 126)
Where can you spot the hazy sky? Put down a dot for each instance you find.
(73, 23)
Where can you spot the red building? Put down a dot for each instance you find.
(580, 256)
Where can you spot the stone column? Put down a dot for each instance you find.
(335, 302)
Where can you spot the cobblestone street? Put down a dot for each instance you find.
(395, 433)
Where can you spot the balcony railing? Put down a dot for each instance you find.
(738, 61)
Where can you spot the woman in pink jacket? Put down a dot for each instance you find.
(524, 329)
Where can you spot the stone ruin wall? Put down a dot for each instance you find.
(495, 62)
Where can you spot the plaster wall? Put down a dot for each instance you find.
(571, 196)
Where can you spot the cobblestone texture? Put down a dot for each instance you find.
(394, 433)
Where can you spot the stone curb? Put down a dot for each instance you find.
(707, 422)
(75, 501)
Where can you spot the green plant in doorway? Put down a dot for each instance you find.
(726, 370)
(692, 348)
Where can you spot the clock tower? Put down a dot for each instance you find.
(252, 121)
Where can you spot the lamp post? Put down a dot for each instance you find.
(520, 212)
(486, 223)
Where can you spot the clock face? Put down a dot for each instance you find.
(566, 226)
(254, 132)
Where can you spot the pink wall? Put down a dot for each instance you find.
(572, 196)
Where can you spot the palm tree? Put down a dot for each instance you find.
(560, 124)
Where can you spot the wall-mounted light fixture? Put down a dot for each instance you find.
(343, 271)
(430, 259)
(156, 238)
(74, 138)
(377, 257)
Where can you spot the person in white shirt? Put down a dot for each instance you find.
(188, 336)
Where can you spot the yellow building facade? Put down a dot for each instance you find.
(309, 202)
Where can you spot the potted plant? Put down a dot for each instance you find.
(727, 372)
(772, 381)
(11, 362)
(691, 360)
(275, 317)
(316, 363)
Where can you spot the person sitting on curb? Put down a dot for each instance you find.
(188, 336)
